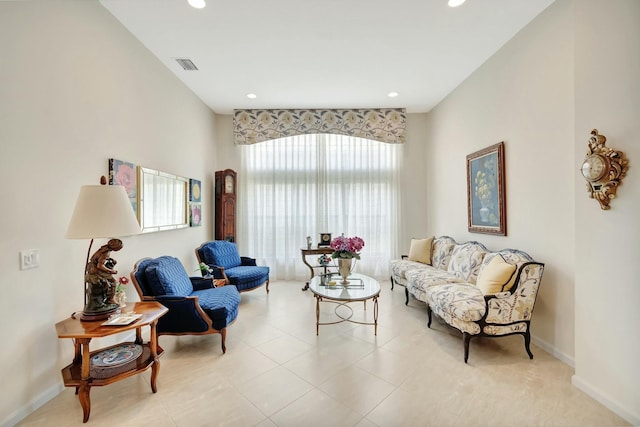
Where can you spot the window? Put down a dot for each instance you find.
(301, 186)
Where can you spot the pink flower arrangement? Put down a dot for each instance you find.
(347, 247)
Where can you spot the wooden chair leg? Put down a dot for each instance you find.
(223, 335)
(406, 295)
(267, 285)
(428, 316)
(466, 337)
(391, 282)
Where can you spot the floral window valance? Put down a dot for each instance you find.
(382, 124)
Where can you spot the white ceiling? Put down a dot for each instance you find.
(324, 54)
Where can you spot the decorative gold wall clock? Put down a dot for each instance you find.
(603, 168)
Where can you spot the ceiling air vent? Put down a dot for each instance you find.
(186, 64)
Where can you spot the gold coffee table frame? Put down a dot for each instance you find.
(360, 288)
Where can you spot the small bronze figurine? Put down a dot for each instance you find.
(101, 285)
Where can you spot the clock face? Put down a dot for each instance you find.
(228, 184)
(594, 167)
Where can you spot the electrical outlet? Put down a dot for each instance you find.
(29, 258)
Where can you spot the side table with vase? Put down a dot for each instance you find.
(111, 364)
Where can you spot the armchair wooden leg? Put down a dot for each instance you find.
(267, 285)
(391, 282)
(223, 335)
(466, 338)
(428, 316)
(406, 295)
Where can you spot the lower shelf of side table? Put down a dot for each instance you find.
(72, 374)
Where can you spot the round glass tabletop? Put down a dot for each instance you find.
(360, 288)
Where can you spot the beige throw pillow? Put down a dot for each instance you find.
(420, 250)
(497, 276)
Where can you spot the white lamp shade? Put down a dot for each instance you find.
(102, 211)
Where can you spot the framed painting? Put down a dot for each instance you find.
(486, 206)
(125, 174)
(195, 191)
(195, 214)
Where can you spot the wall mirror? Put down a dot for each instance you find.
(162, 200)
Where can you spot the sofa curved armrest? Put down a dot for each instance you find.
(247, 261)
(518, 305)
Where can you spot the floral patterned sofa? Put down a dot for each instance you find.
(478, 292)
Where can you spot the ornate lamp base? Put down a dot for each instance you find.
(90, 316)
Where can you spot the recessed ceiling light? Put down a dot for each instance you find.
(455, 3)
(198, 4)
(252, 96)
(393, 94)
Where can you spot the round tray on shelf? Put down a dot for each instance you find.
(116, 356)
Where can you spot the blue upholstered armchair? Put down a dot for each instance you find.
(223, 258)
(195, 306)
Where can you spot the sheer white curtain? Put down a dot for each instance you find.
(304, 185)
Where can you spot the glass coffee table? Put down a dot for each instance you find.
(360, 288)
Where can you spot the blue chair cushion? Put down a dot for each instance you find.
(247, 274)
(220, 304)
(222, 253)
(167, 276)
(248, 277)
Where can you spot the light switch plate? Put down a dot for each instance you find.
(29, 258)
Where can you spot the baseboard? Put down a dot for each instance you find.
(633, 419)
(24, 411)
(552, 350)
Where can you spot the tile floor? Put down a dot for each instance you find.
(277, 372)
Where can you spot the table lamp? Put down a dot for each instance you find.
(102, 211)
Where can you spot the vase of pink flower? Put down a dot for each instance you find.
(120, 297)
(345, 250)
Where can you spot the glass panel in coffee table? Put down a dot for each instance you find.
(360, 288)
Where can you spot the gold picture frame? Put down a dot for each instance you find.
(486, 205)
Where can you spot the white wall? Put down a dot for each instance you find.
(574, 68)
(414, 179)
(607, 69)
(76, 88)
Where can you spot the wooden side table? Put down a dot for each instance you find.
(320, 250)
(79, 373)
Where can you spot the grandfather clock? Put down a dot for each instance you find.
(225, 221)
